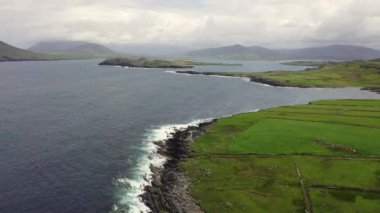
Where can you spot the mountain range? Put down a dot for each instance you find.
(332, 52)
(74, 48)
(11, 53)
(65, 50)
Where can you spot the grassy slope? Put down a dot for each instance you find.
(347, 74)
(157, 63)
(365, 74)
(249, 162)
(8, 51)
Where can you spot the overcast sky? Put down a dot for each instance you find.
(193, 23)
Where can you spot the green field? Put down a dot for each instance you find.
(345, 74)
(363, 74)
(320, 157)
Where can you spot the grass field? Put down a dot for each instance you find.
(363, 74)
(345, 74)
(320, 157)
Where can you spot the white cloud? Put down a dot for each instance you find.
(275, 23)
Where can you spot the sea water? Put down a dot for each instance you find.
(77, 137)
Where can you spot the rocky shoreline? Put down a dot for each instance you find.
(255, 79)
(273, 83)
(260, 80)
(169, 189)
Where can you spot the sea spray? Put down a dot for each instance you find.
(131, 188)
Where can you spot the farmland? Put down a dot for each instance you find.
(319, 157)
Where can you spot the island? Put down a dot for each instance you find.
(158, 63)
(319, 157)
(363, 74)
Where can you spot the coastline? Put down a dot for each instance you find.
(267, 82)
(253, 79)
(168, 190)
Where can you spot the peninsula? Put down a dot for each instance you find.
(363, 74)
(157, 63)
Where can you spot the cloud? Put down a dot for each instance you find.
(194, 23)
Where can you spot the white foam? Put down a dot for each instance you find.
(284, 87)
(242, 78)
(254, 110)
(261, 84)
(175, 72)
(132, 188)
(212, 75)
(171, 71)
(231, 77)
(246, 79)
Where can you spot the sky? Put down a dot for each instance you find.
(193, 23)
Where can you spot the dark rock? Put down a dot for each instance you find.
(169, 189)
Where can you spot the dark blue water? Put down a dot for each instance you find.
(70, 129)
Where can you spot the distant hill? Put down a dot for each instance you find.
(333, 52)
(11, 53)
(151, 49)
(74, 48)
(238, 52)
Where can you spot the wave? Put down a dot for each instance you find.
(131, 188)
(217, 76)
(175, 72)
(232, 77)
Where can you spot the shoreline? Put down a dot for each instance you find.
(168, 190)
(130, 188)
(253, 79)
(267, 82)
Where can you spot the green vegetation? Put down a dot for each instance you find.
(157, 63)
(320, 157)
(345, 74)
(10, 53)
(238, 52)
(332, 52)
(364, 74)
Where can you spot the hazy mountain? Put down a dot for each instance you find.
(74, 48)
(55, 46)
(55, 51)
(11, 53)
(334, 52)
(238, 52)
(149, 49)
